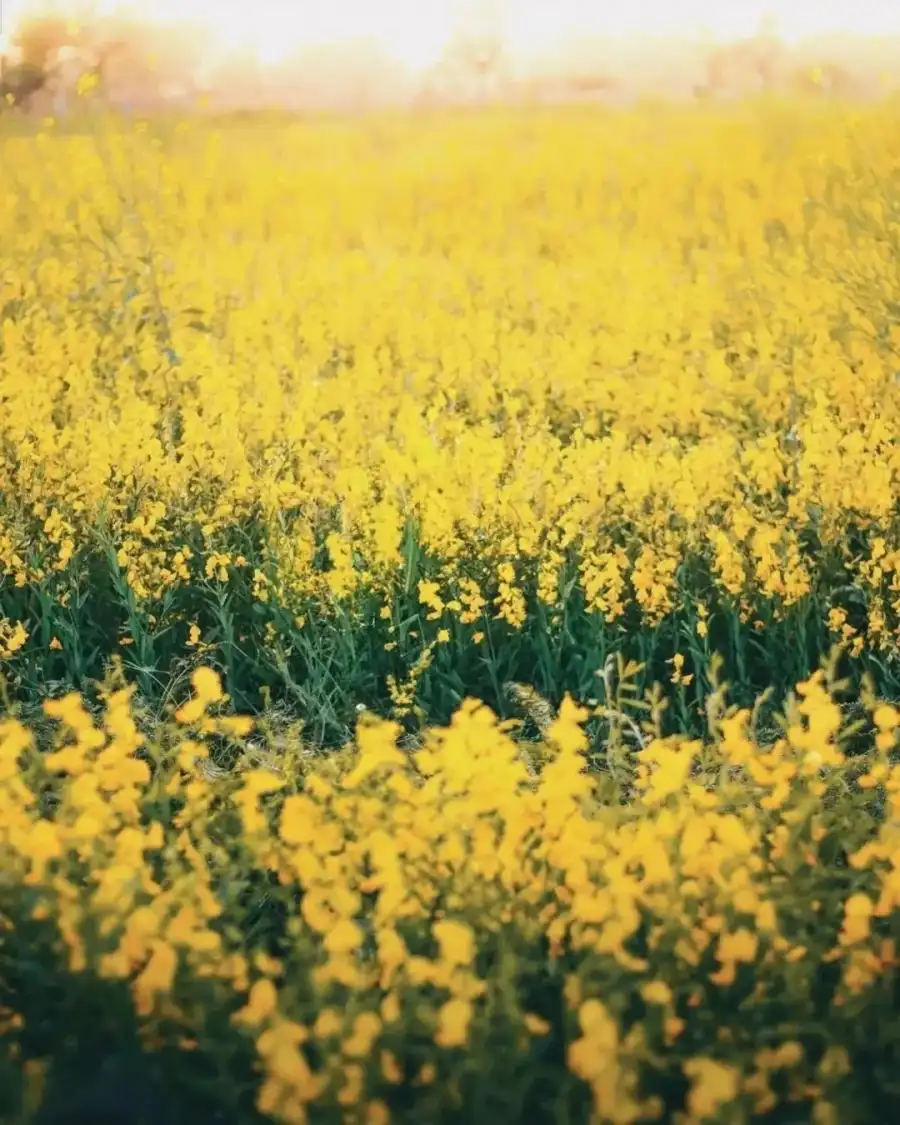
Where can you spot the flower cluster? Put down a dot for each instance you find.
(429, 914)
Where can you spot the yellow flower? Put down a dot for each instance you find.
(714, 1085)
(44, 842)
(429, 596)
(207, 686)
(191, 712)
(453, 1022)
(391, 1070)
(365, 1031)
(886, 717)
(329, 1024)
(258, 782)
(858, 910)
(377, 1113)
(669, 768)
(261, 1004)
(739, 946)
(86, 83)
(456, 942)
(678, 676)
(390, 1008)
(597, 1026)
(345, 937)
(236, 726)
(351, 1091)
(426, 1075)
(156, 978)
(657, 992)
(15, 639)
(536, 1025)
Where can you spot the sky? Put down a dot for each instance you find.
(415, 31)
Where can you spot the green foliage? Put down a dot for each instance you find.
(322, 663)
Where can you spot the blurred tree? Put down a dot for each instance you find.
(33, 57)
(19, 82)
(38, 39)
(130, 62)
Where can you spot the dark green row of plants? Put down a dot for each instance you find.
(323, 662)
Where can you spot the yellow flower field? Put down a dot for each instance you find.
(473, 455)
(621, 369)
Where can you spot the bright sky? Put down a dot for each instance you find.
(414, 31)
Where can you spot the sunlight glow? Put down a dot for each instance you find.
(414, 32)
